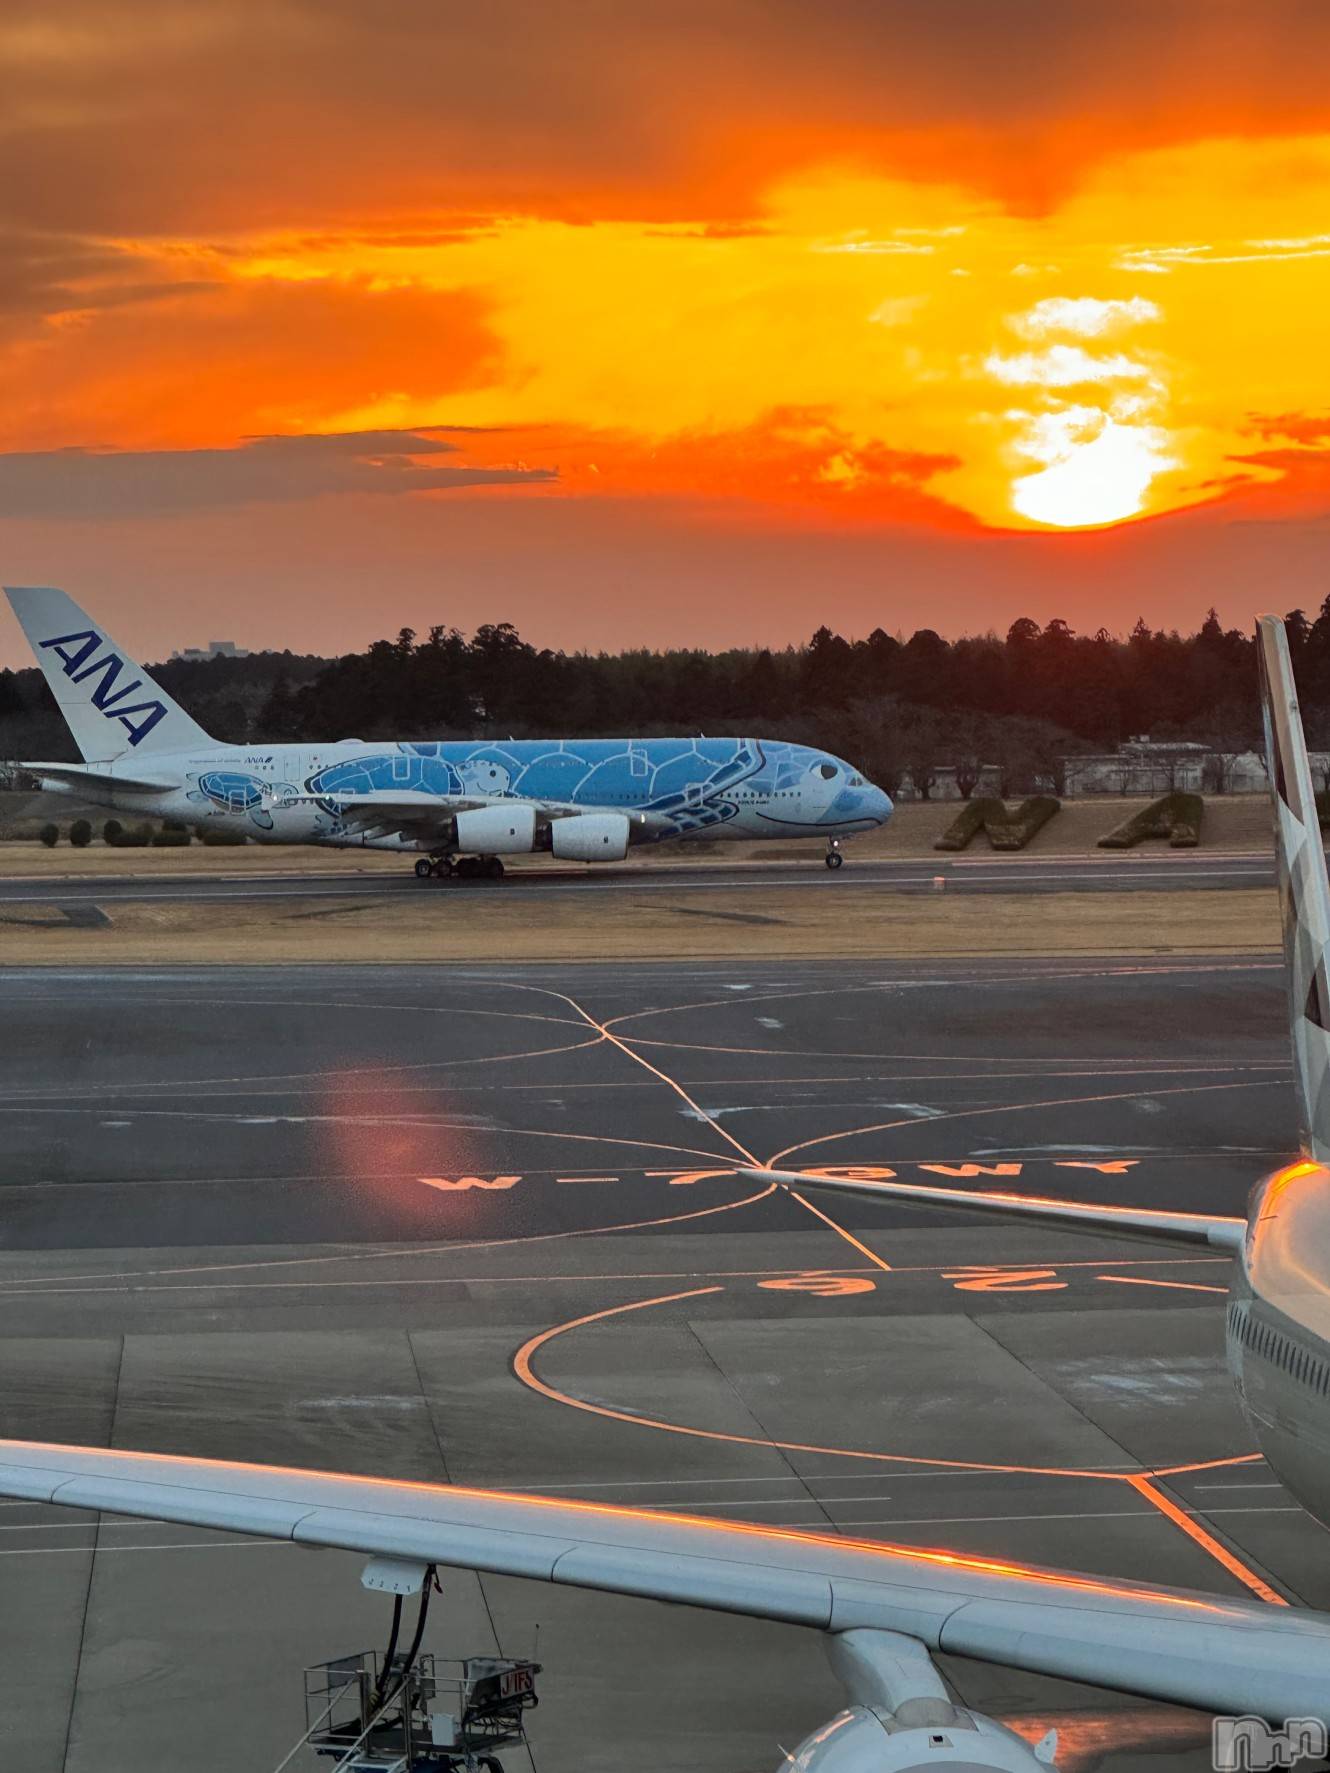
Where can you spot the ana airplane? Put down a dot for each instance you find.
(585, 800)
(885, 1608)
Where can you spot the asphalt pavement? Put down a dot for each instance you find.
(1156, 871)
(482, 1226)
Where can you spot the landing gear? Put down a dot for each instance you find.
(464, 867)
(833, 857)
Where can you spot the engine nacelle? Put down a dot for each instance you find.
(497, 830)
(900, 1719)
(590, 837)
(864, 1740)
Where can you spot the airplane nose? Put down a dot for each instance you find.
(880, 807)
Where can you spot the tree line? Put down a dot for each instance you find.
(895, 705)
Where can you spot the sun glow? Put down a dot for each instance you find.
(1098, 469)
(863, 350)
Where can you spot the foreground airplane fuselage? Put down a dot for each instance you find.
(667, 788)
(1278, 1330)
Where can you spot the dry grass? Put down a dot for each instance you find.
(481, 924)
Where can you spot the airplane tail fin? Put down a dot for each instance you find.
(1304, 892)
(110, 704)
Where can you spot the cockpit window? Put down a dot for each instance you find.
(856, 781)
(826, 770)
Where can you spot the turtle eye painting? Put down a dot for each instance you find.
(647, 321)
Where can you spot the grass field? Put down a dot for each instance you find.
(738, 924)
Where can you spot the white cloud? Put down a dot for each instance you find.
(1084, 316)
(1162, 259)
(1063, 366)
(861, 244)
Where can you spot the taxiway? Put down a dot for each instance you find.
(480, 1224)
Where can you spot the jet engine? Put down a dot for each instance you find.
(901, 1720)
(864, 1740)
(497, 830)
(590, 837)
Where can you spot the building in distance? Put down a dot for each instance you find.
(215, 649)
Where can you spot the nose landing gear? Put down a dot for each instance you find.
(833, 857)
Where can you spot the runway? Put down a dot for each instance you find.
(482, 1224)
(1012, 875)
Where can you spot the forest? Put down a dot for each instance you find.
(895, 705)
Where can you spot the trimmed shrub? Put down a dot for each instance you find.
(50, 835)
(112, 831)
(222, 837)
(80, 834)
(1005, 830)
(1176, 817)
(174, 835)
(967, 824)
(133, 837)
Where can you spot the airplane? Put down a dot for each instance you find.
(884, 1609)
(460, 806)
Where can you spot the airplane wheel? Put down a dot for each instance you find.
(493, 868)
(424, 868)
(835, 859)
(468, 867)
(441, 867)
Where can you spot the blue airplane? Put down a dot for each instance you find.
(460, 806)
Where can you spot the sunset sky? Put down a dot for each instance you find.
(665, 324)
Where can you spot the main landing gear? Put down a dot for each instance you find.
(464, 867)
(833, 857)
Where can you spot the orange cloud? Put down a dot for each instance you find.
(919, 271)
(224, 357)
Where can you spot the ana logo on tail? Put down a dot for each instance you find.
(76, 650)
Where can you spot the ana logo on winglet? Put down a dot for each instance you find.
(76, 650)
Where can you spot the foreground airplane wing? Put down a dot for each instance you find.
(1193, 1649)
(1188, 1228)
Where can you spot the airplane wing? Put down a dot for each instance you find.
(72, 775)
(379, 814)
(1193, 1649)
(1188, 1228)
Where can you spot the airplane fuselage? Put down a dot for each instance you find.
(672, 788)
(1278, 1330)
